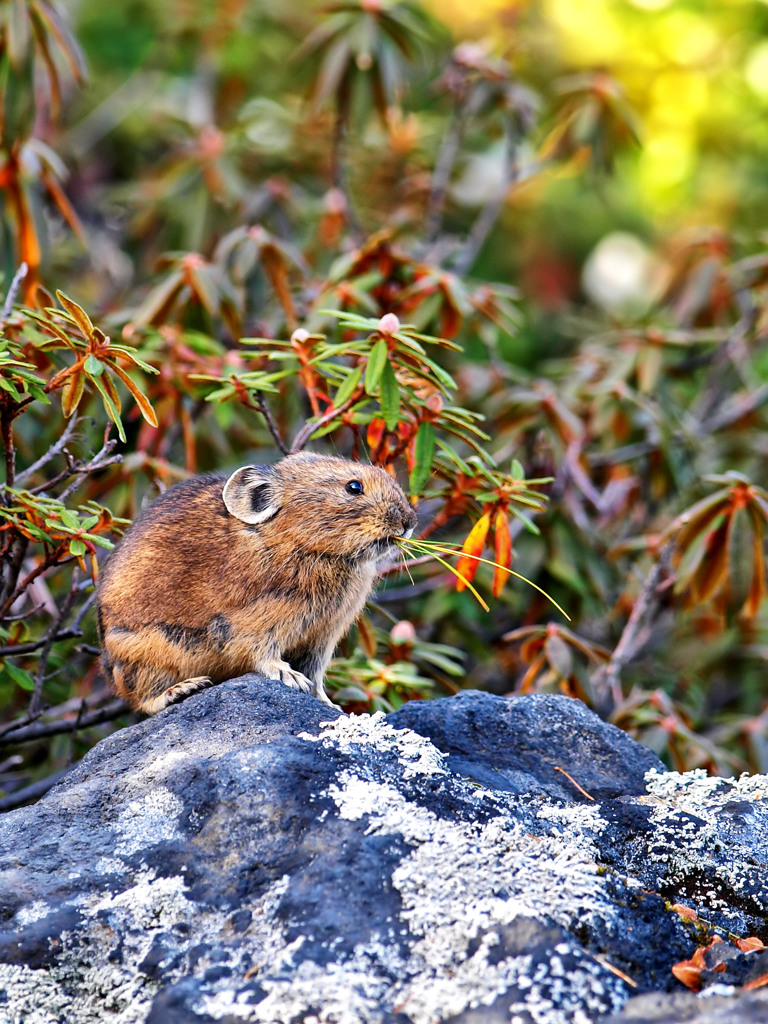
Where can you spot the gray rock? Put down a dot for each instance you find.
(252, 855)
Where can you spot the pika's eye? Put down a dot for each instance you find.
(354, 487)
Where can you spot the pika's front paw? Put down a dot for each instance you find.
(296, 680)
(282, 670)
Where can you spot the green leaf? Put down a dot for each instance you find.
(20, 676)
(516, 470)
(389, 393)
(103, 542)
(77, 547)
(424, 453)
(93, 366)
(347, 387)
(70, 518)
(377, 360)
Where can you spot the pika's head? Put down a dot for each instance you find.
(322, 504)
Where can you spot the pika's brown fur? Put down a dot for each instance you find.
(261, 572)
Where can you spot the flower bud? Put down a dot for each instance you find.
(389, 324)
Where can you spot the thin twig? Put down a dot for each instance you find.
(50, 639)
(271, 425)
(52, 452)
(397, 566)
(6, 432)
(309, 428)
(491, 211)
(50, 560)
(101, 459)
(16, 283)
(441, 176)
(19, 723)
(13, 562)
(606, 680)
(34, 645)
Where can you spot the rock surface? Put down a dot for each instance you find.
(251, 855)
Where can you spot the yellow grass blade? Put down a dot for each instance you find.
(414, 547)
(429, 547)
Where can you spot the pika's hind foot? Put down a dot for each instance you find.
(174, 694)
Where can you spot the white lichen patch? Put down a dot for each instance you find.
(416, 754)
(461, 883)
(31, 913)
(693, 839)
(150, 903)
(38, 997)
(144, 823)
(696, 791)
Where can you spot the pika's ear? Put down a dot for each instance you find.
(249, 495)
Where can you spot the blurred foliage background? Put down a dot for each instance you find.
(572, 197)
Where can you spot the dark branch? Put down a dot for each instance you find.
(31, 733)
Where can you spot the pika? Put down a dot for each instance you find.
(262, 571)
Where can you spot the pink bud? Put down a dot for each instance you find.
(389, 324)
(334, 201)
(403, 632)
(299, 336)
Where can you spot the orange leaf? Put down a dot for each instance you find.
(532, 647)
(686, 912)
(528, 679)
(375, 433)
(757, 982)
(77, 313)
(688, 974)
(366, 636)
(502, 551)
(72, 392)
(712, 573)
(473, 545)
(749, 944)
(143, 403)
(757, 587)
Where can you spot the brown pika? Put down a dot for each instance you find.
(263, 572)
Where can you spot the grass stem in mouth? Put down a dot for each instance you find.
(416, 546)
(430, 547)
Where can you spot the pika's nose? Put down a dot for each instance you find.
(410, 519)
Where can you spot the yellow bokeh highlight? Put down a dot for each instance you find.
(756, 70)
(686, 69)
(590, 31)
